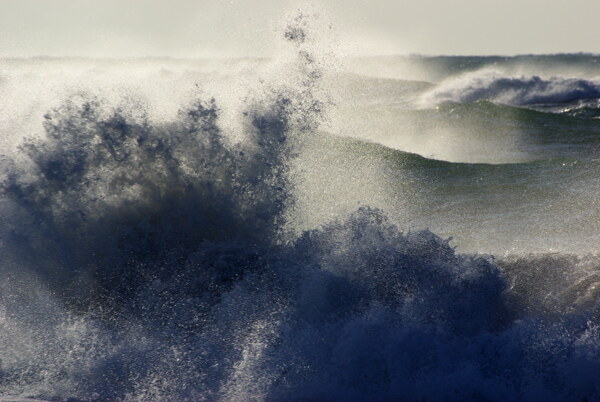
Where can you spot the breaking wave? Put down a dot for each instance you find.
(146, 261)
(518, 91)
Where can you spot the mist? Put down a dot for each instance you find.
(243, 28)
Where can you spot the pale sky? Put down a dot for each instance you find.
(197, 28)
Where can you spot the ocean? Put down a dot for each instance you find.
(305, 227)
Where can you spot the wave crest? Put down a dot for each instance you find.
(518, 91)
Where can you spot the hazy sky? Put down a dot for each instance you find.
(193, 28)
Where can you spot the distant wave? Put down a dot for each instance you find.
(519, 91)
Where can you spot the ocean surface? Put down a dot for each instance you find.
(306, 227)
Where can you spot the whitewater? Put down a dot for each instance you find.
(307, 227)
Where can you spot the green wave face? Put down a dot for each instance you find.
(537, 205)
(480, 132)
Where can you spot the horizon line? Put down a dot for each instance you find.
(220, 57)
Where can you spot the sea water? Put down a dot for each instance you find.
(307, 227)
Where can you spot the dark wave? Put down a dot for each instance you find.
(514, 90)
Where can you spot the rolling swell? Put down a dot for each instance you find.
(563, 132)
(479, 132)
(145, 261)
